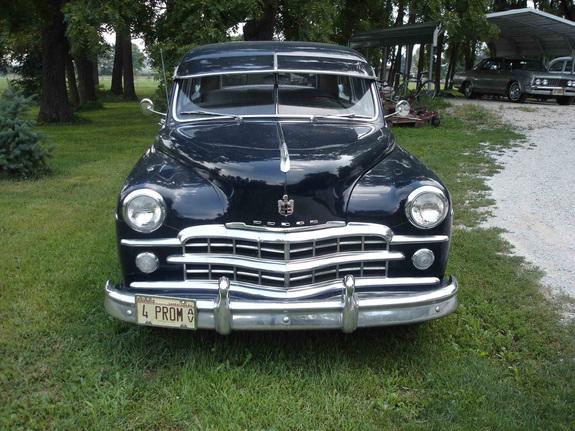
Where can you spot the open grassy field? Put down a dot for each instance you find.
(501, 362)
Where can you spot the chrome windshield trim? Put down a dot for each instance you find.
(295, 293)
(306, 117)
(277, 70)
(283, 235)
(284, 266)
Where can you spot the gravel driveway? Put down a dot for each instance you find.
(535, 190)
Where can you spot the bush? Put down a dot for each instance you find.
(21, 151)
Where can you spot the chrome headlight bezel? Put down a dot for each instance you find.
(411, 203)
(131, 197)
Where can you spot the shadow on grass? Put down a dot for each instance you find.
(369, 347)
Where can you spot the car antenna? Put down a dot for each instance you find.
(164, 73)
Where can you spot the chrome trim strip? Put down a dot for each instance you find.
(277, 70)
(284, 266)
(260, 228)
(414, 239)
(159, 242)
(283, 235)
(174, 242)
(284, 152)
(293, 293)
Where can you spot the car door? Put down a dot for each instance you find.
(503, 76)
(486, 75)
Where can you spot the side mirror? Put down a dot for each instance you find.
(402, 109)
(147, 107)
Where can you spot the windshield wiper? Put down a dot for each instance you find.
(211, 114)
(342, 116)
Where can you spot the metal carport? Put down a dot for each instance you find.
(529, 32)
(404, 35)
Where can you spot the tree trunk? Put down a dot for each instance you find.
(262, 28)
(128, 69)
(453, 54)
(73, 95)
(421, 61)
(469, 55)
(95, 75)
(86, 79)
(437, 65)
(54, 106)
(117, 71)
(567, 9)
(409, 55)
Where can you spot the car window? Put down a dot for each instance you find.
(490, 65)
(254, 94)
(325, 95)
(531, 65)
(569, 66)
(479, 65)
(226, 93)
(557, 66)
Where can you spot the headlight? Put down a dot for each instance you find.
(569, 83)
(545, 82)
(426, 207)
(144, 210)
(538, 81)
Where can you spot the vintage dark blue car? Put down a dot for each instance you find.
(275, 197)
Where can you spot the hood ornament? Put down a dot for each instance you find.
(285, 206)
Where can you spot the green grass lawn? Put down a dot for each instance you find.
(502, 361)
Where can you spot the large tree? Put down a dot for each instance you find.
(30, 21)
(54, 106)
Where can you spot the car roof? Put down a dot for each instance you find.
(270, 56)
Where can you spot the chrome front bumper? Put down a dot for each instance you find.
(548, 91)
(348, 312)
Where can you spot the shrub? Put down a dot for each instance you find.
(21, 151)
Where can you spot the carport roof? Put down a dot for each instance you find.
(530, 32)
(411, 34)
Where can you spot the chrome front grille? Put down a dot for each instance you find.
(285, 258)
(285, 251)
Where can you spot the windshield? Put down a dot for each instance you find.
(297, 94)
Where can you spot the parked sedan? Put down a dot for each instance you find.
(276, 197)
(517, 79)
(565, 65)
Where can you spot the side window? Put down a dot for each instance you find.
(569, 66)
(557, 66)
(491, 65)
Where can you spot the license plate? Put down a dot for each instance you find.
(167, 312)
(558, 92)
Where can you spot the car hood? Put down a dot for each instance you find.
(243, 160)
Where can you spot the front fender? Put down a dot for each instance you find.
(380, 197)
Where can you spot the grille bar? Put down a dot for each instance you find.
(283, 266)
